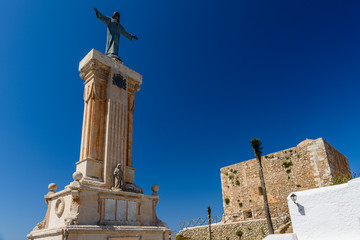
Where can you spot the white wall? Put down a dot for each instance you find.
(331, 213)
(286, 236)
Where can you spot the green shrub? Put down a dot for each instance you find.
(288, 171)
(335, 180)
(287, 164)
(262, 232)
(227, 200)
(240, 204)
(239, 233)
(237, 182)
(179, 236)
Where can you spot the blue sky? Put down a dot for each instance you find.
(216, 74)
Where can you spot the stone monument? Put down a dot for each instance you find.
(103, 202)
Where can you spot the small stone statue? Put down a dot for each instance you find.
(114, 29)
(118, 178)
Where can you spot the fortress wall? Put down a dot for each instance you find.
(303, 167)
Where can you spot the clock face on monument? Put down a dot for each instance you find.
(119, 81)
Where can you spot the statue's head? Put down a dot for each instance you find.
(116, 16)
(118, 165)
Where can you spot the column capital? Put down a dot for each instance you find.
(105, 63)
(94, 69)
(133, 85)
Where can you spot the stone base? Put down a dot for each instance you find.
(80, 212)
(88, 232)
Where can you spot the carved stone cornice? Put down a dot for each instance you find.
(94, 69)
(133, 86)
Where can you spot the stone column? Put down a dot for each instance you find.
(109, 96)
(91, 160)
(116, 132)
(133, 87)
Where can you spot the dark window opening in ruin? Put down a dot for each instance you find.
(260, 191)
(247, 214)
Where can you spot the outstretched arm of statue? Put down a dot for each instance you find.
(103, 18)
(127, 34)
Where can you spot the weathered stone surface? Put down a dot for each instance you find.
(253, 230)
(308, 165)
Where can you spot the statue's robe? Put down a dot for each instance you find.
(114, 29)
(118, 178)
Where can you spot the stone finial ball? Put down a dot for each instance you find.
(52, 187)
(155, 188)
(77, 176)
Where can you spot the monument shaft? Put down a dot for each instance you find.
(109, 102)
(103, 202)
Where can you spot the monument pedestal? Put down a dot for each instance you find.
(80, 212)
(90, 207)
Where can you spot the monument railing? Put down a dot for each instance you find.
(275, 212)
(200, 221)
